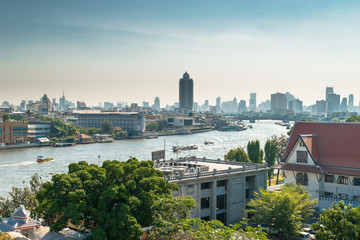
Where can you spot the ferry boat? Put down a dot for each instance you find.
(184, 148)
(41, 159)
(208, 143)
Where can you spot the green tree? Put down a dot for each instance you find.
(162, 125)
(353, 118)
(21, 196)
(254, 151)
(4, 236)
(152, 126)
(237, 154)
(280, 143)
(282, 211)
(270, 156)
(6, 117)
(113, 200)
(171, 222)
(340, 222)
(107, 127)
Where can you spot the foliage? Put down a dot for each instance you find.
(171, 222)
(282, 211)
(254, 151)
(237, 154)
(17, 117)
(107, 127)
(338, 222)
(113, 201)
(280, 143)
(270, 156)
(54, 140)
(70, 139)
(353, 118)
(157, 126)
(120, 134)
(6, 117)
(4, 236)
(21, 196)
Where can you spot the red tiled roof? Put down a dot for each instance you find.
(331, 144)
(301, 168)
(84, 136)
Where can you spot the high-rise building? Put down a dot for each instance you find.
(186, 94)
(242, 106)
(157, 103)
(296, 106)
(343, 105)
(329, 90)
(333, 102)
(351, 103)
(62, 102)
(252, 102)
(218, 104)
(278, 103)
(23, 105)
(145, 104)
(320, 106)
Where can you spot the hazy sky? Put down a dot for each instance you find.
(135, 50)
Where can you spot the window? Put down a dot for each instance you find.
(221, 202)
(222, 183)
(205, 202)
(221, 217)
(356, 181)
(301, 156)
(328, 194)
(302, 144)
(342, 180)
(329, 178)
(343, 196)
(207, 218)
(301, 178)
(206, 185)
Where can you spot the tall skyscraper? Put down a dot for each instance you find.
(157, 103)
(351, 103)
(186, 94)
(62, 102)
(218, 104)
(252, 102)
(278, 103)
(333, 103)
(329, 90)
(343, 105)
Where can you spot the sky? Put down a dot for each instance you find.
(135, 50)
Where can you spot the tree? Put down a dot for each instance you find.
(113, 200)
(4, 236)
(152, 126)
(254, 151)
(282, 211)
(353, 118)
(6, 117)
(107, 127)
(338, 222)
(21, 196)
(280, 143)
(171, 222)
(270, 156)
(237, 154)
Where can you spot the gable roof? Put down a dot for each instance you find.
(331, 144)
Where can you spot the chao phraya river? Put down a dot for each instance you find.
(18, 165)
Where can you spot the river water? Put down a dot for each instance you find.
(18, 165)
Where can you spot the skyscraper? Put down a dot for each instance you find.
(218, 104)
(252, 102)
(351, 103)
(333, 103)
(157, 103)
(186, 94)
(278, 103)
(329, 90)
(343, 105)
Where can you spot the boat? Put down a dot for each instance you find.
(41, 159)
(64, 144)
(184, 148)
(250, 126)
(233, 127)
(152, 137)
(208, 143)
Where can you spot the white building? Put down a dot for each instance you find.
(177, 122)
(128, 121)
(38, 130)
(324, 158)
(220, 188)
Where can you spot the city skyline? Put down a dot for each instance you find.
(135, 51)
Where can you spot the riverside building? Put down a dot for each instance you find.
(12, 133)
(220, 188)
(128, 121)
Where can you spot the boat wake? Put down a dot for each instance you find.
(17, 164)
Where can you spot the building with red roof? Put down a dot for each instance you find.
(325, 159)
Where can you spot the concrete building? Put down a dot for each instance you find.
(157, 104)
(178, 122)
(278, 103)
(218, 104)
(320, 106)
(296, 106)
(81, 105)
(186, 94)
(333, 103)
(220, 188)
(128, 121)
(329, 90)
(351, 103)
(252, 102)
(242, 106)
(343, 105)
(324, 158)
(38, 130)
(12, 133)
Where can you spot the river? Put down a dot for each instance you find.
(18, 165)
